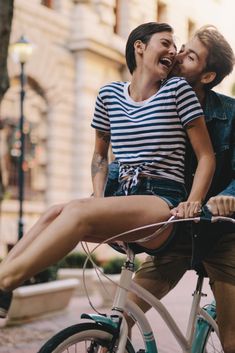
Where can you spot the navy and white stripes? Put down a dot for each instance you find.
(148, 134)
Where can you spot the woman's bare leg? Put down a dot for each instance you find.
(90, 219)
(45, 219)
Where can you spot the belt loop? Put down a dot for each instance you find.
(148, 184)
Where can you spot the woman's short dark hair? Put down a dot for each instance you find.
(220, 58)
(143, 32)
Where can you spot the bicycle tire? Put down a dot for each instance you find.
(73, 336)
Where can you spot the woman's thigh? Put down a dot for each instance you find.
(115, 215)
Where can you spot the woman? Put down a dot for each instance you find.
(150, 55)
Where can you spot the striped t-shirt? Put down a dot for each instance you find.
(148, 137)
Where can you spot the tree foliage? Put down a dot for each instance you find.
(6, 14)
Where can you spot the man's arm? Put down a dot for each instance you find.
(99, 164)
(224, 203)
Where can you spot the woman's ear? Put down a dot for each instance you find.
(139, 46)
(208, 77)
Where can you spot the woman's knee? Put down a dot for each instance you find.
(81, 211)
(52, 213)
(78, 206)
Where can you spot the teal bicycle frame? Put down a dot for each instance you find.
(199, 322)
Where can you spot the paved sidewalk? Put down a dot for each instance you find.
(29, 337)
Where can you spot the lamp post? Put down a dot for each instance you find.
(21, 51)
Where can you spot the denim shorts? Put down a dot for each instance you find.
(169, 190)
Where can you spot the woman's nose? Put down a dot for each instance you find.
(172, 50)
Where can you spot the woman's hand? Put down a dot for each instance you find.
(187, 209)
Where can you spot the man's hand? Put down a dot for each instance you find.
(221, 205)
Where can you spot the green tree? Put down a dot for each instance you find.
(6, 14)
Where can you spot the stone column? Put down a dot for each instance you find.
(99, 59)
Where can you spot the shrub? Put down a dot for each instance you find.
(48, 275)
(114, 265)
(77, 260)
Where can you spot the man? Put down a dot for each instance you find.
(204, 61)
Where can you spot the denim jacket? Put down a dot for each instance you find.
(220, 118)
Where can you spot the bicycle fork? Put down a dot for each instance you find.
(117, 320)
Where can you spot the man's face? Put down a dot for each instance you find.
(191, 61)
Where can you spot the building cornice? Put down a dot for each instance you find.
(112, 50)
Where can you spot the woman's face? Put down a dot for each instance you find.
(158, 55)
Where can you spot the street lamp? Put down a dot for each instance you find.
(21, 51)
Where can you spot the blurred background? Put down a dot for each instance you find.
(76, 47)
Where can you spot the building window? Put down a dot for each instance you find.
(191, 28)
(12, 149)
(116, 28)
(161, 12)
(47, 3)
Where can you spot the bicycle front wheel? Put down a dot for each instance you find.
(206, 339)
(82, 338)
(212, 342)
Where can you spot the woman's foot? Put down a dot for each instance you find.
(5, 302)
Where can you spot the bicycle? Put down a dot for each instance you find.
(109, 333)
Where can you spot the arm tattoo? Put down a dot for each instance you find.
(105, 136)
(98, 165)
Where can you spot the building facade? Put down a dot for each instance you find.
(78, 46)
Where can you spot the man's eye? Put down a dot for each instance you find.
(191, 58)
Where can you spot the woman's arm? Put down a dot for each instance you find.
(200, 141)
(99, 164)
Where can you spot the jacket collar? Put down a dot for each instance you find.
(214, 107)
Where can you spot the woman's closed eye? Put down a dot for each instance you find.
(166, 44)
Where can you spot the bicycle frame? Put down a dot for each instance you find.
(121, 304)
(186, 341)
(193, 339)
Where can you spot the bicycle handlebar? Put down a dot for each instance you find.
(206, 216)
